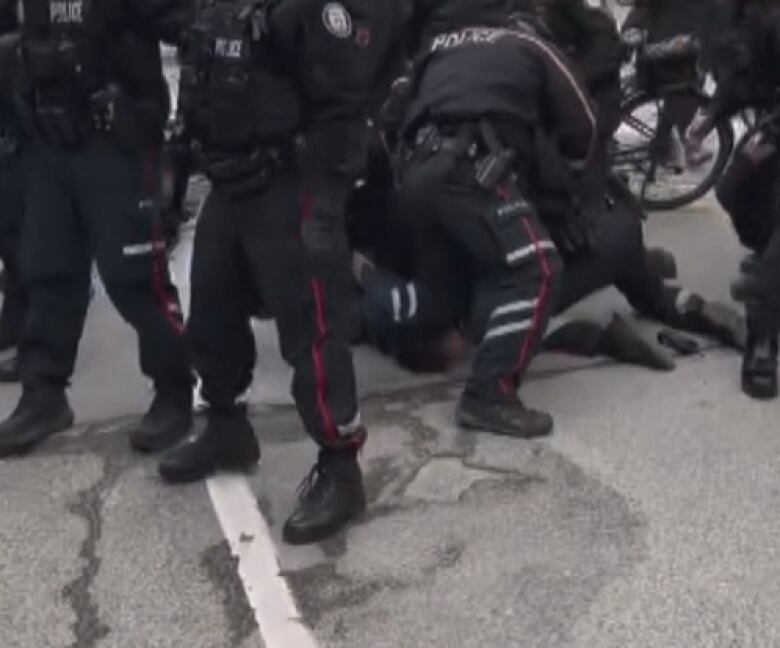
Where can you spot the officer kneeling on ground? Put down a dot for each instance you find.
(484, 97)
(95, 103)
(245, 97)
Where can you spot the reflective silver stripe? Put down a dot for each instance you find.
(515, 307)
(350, 428)
(143, 248)
(528, 250)
(411, 290)
(396, 304)
(507, 329)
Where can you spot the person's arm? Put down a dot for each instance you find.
(599, 50)
(571, 114)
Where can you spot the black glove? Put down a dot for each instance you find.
(573, 237)
(394, 109)
(573, 231)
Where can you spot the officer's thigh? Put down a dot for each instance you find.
(220, 280)
(747, 193)
(118, 197)
(271, 241)
(440, 192)
(617, 253)
(53, 242)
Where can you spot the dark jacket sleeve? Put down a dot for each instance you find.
(750, 80)
(572, 118)
(595, 40)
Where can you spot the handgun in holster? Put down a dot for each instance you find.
(493, 168)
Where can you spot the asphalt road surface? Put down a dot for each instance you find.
(648, 519)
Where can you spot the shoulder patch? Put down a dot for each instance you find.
(337, 20)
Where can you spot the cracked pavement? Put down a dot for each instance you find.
(647, 520)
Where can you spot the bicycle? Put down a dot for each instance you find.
(658, 81)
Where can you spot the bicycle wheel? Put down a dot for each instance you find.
(648, 151)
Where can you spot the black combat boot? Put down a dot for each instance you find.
(759, 367)
(618, 341)
(227, 442)
(167, 422)
(503, 416)
(331, 496)
(42, 411)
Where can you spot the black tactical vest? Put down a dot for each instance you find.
(64, 65)
(233, 95)
(62, 50)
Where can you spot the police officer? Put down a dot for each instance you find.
(95, 103)
(487, 98)
(749, 189)
(271, 230)
(400, 311)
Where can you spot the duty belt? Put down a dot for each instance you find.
(477, 141)
(244, 173)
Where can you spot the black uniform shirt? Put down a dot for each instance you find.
(510, 74)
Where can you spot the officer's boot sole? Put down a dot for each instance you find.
(63, 420)
(469, 421)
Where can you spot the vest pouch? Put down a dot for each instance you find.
(230, 117)
(52, 67)
(51, 62)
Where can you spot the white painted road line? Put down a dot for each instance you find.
(250, 541)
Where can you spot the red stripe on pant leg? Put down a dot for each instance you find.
(544, 266)
(305, 206)
(150, 185)
(320, 379)
(158, 283)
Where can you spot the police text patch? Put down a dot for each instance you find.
(66, 12)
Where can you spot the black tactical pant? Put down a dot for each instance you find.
(11, 215)
(498, 242)
(749, 192)
(618, 257)
(249, 250)
(98, 202)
